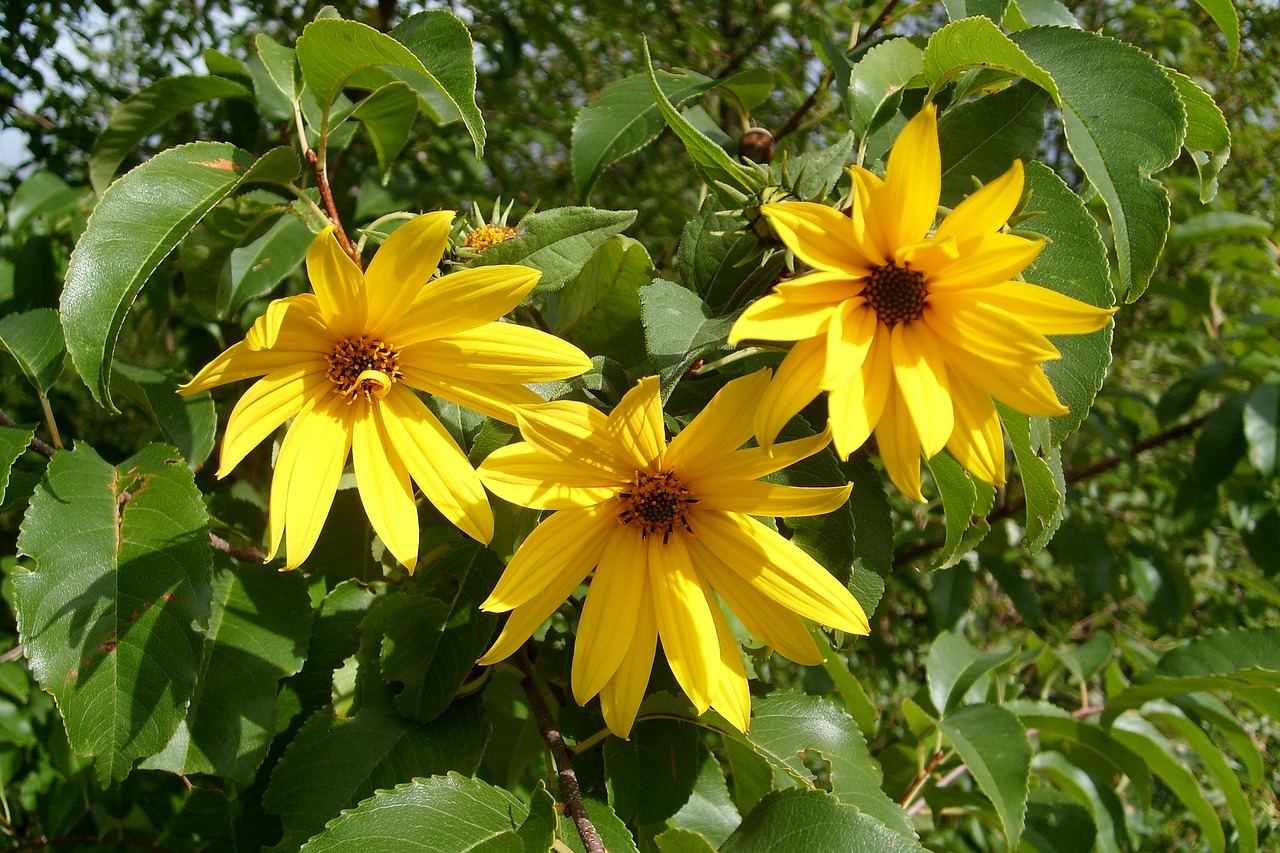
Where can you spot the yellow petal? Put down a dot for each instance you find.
(685, 623)
(987, 210)
(777, 568)
(234, 363)
(308, 468)
(493, 399)
(855, 408)
(338, 284)
(928, 255)
(719, 428)
(818, 235)
(267, 404)
(436, 463)
(385, 488)
(621, 697)
(977, 442)
(849, 338)
(635, 426)
(526, 618)
(498, 352)
(752, 463)
(900, 446)
(773, 318)
(921, 375)
(568, 543)
(913, 180)
(776, 626)
(567, 429)
(1049, 312)
(754, 497)
(1024, 388)
(796, 383)
(870, 193)
(730, 697)
(462, 300)
(522, 475)
(964, 322)
(992, 259)
(402, 265)
(292, 323)
(609, 616)
(829, 287)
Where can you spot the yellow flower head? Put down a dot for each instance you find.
(343, 363)
(663, 526)
(912, 334)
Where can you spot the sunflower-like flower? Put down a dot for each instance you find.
(343, 363)
(666, 528)
(913, 334)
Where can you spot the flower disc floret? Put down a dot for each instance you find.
(362, 366)
(656, 503)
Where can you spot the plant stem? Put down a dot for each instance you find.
(326, 196)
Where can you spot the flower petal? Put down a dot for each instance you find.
(437, 464)
(921, 374)
(992, 259)
(777, 568)
(849, 338)
(730, 696)
(385, 488)
(754, 497)
(621, 697)
(291, 323)
(635, 426)
(856, 407)
(526, 618)
(267, 404)
(1024, 388)
(522, 475)
(977, 442)
(567, 429)
(829, 287)
(498, 352)
(818, 235)
(986, 210)
(338, 284)
(1049, 312)
(913, 180)
(869, 190)
(462, 300)
(752, 463)
(234, 363)
(900, 446)
(402, 265)
(796, 383)
(773, 318)
(685, 623)
(610, 613)
(493, 399)
(719, 428)
(568, 542)
(984, 329)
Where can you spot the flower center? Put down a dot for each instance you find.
(488, 235)
(897, 294)
(657, 503)
(361, 365)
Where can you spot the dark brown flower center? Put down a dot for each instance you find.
(362, 366)
(896, 293)
(656, 503)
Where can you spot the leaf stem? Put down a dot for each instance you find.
(573, 804)
(326, 196)
(49, 419)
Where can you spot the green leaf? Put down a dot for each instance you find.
(966, 502)
(281, 66)
(978, 43)
(335, 636)
(682, 841)
(375, 749)
(259, 266)
(710, 811)
(43, 194)
(613, 832)
(981, 138)
(139, 220)
(1034, 13)
(993, 9)
(715, 260)
(443, 45)
(1042, 483)
(652, 775)
(1208, 137)
(994, 746)
(785, 727)
(954, 666)
(1090, 747)
(1218, 224)
(444, 814)
(142, 114)
(599, 311)
(787, 821)
(14, 441)
(878, 79)
(34, 339)
(109, 615)
(560, 242)
(1224, 14)
(204, 255)
(679, 329)
(1057, 824)
(387, 115)
(187, 422)
(1233, 661)
(258, 632)
(1261, 412)
(1073, 262)
(856, 701)
(1103, 804)
(624, 118)
(712, 163)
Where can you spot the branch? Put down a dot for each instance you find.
(244, 555)
(45, 450)
(563, 756)
(326, 195)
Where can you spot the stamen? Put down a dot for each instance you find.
(897, 294)
(363, 366)
(656, 503)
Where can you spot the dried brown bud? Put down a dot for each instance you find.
(756, 145)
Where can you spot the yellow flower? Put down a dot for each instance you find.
(912, 333)
(663, 526)
(342, 363)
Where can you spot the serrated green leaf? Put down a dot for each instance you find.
(966, 502)
(559, 242)
(1091, 748)
(1102, 802)
(1040, 487)
(259, 266)
(143, 113)
(34, 339)
(204, 255)
(713, 261)
(613, 832)
(335, 636)
(108, 617)
(1036, 13)
(375, 749)
(1208, 137)
(682, 841)
(679, 329)
(187, 422)
(444, 814)
(710, 811)
(878, 79)
(1224, 14)
(1218, 224)
(787, 821)
(387, 115)
(139, 220)
(1055, 823)
(954, 666)
(816, 172)
(624, 118)
(855, 698)
(976, 42)
(981, 138)
(258, 631)
(281, 66)
(599, 311)
(652, 775)
(43, 194)
(14, 441)
(443, 45)
(992, 9)
(1261, 412)
(994, 746)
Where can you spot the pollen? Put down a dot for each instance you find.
(897, 294)
(362, 366)
(656, 503)
(488, 235)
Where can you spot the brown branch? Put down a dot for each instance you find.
(244, 555)
(573, 804)
(326, 196)
(923, 776)
(45, 450)
(880, 21)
